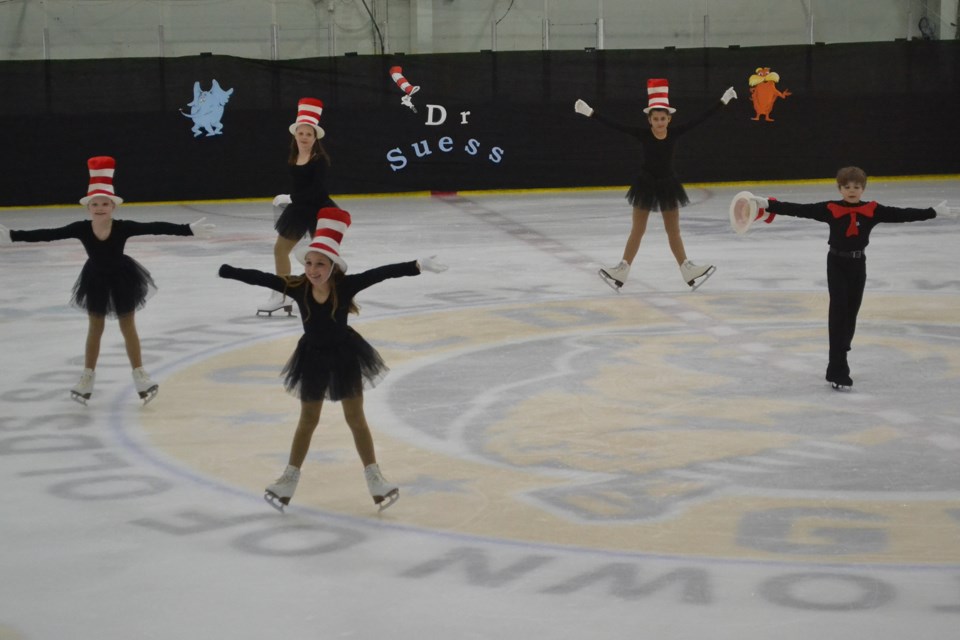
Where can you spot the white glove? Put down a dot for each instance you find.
(728, 95)
(762, 203)
(949, 212)
(582, 108)
(431, 264)
(4, 235)
(201, 229)
(282, 200)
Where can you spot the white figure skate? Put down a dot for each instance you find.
(614, 277)
(383, 493)
(276, 302)
(279, 493)
(146, 388)
(695, 275)
(82, 391)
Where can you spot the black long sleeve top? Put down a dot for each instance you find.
(657, 154)
(850, 224)
(309, 183)
(319, 324)
(102, 250)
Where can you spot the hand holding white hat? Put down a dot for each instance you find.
(582, 108)
(202, 229)
(431, 264)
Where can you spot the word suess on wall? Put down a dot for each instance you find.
(400, 157)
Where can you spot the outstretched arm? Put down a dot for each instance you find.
(135, 228)
(253, 276)
(369, 278)
(72, 230)
(584, 109)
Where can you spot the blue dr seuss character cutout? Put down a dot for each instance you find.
(206, 110)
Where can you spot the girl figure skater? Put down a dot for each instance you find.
(657, 187)
(296, 213)
(851, 222)
(111, 283)
(331, 361)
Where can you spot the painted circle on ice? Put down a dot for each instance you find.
(637, 426)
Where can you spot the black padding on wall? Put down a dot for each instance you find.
(888, 107)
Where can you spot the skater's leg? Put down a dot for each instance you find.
(94, 334)
(839, 320)
(357, 421)
(858, 281)
(131, 339)
(671, 224)
(281, 255)
(637, 229)
(383, 492)
(309, 419)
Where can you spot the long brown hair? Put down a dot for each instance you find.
(316, 153)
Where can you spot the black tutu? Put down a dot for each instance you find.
(113, 288)
(298, 220)
(657, 194)
(318, 370)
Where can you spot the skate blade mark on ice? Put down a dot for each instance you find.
(609, 280)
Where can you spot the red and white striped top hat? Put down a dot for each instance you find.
(308, 112)
(397, 74)
(101, 179)
(658, 95)
(332, 223)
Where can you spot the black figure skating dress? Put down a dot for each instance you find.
(657, 187)
(331, 361)
(111, 283)
(308, 196)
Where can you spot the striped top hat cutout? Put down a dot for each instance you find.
(101, 179)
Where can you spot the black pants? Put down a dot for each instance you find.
(846, 278)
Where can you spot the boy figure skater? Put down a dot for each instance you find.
(851, 221)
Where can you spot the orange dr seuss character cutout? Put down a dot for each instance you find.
(764, 92)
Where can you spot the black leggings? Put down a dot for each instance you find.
(846, 278)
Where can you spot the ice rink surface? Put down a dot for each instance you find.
(574, 462)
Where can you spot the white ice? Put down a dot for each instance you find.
(654, 463)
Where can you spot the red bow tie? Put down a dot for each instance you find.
(838, 211)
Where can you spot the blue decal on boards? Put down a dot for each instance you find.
(206, 110)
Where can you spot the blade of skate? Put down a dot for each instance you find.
(385, 501)
(275, 501)
(699, 281)
(610, 282)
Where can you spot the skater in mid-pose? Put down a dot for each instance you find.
(296, 212)
(851, 221)
(657, 187)
(331, 361)
(111, 282)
